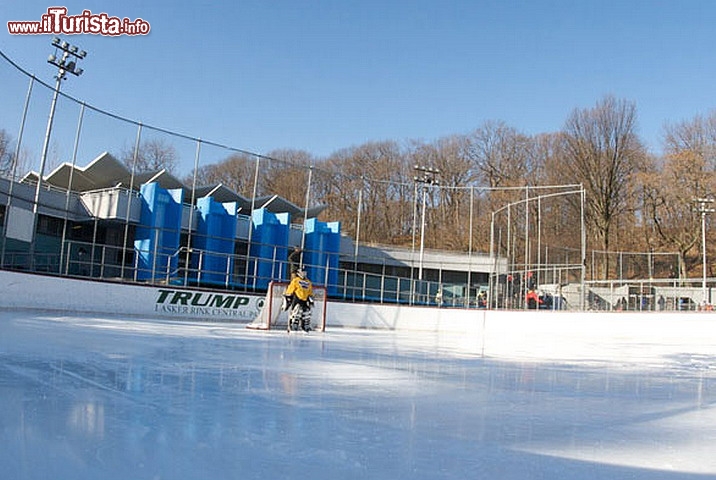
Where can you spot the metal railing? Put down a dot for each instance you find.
(187, 268)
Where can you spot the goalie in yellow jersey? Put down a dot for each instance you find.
(298, 300)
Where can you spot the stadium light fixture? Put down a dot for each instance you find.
(65, 58)
(704, 208)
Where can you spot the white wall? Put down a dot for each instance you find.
(490, 332)
(21, 290)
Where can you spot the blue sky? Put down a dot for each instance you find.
(325, 75)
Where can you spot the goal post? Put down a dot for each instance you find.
(272, 316)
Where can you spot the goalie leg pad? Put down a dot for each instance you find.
(295, 317)
(306, 319)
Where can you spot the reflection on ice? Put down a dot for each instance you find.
(106, 398)
(87, 418)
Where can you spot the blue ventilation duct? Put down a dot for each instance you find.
(215, 232)
(269, 241)
(322, 251)
(156, 239)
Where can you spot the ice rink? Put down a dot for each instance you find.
(88, 397)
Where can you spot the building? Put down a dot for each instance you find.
(100, 221)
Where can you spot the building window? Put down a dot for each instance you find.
(49, 226)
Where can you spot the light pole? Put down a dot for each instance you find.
(66, 62)
(427, 178)
(704, 208)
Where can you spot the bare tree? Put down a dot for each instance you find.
(152, 155)
(500, 154)
(376, 176)
(449, 215)
(688, 171)
(560, 217)
(697, 136)
(338, 189)
(10, 165)
(668, 202)
(235, 172)
(603, 152)
(6, 154)
(285, 173)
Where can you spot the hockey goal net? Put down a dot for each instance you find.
(272, 316)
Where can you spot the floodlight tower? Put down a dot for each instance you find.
(704, 208)
(65, 58)
(428, 178)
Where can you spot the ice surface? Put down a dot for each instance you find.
(86, 397)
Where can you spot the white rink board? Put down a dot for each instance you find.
(531, 333)
(21, 290)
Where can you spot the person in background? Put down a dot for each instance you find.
(295, 261)
(532, 299)
(482, 300)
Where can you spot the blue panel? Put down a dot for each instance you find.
(322, 249)
(215, 232)
(157, 236)
(269, 247)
